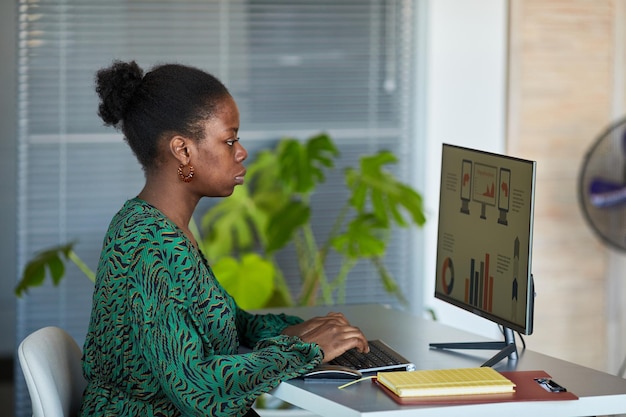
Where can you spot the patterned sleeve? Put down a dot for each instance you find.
(186, 329)
(255, 327)
(201, 382)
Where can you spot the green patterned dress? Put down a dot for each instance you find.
(164, 335)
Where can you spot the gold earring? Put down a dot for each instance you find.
(188, 177)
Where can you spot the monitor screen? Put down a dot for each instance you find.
(484, 243)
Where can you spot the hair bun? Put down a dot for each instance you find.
(116, 86)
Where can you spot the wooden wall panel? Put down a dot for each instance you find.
(560, 97)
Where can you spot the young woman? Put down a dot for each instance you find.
(164, 335)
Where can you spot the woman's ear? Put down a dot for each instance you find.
(180, 148)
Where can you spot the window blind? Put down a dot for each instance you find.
(295, 68)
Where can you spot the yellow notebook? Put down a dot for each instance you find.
(441, 382)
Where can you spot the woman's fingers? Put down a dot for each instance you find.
(332, 332)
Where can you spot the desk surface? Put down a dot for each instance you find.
(599, 393)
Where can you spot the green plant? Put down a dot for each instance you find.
(243, 233)
(53, 261)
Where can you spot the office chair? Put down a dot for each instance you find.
(51, 364)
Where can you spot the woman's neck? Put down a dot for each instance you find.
(173, 202)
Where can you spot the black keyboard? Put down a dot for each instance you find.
(381, 357)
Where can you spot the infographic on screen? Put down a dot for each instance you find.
(485, 233)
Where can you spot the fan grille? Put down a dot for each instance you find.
(602, 185)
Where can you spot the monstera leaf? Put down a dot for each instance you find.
(389, 198)
(250, 281)
(233, 224)
(302, 164)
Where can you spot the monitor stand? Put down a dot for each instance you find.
(505, 348)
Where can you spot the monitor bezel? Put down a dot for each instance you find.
(529, 298)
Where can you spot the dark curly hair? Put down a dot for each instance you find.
(170, 98)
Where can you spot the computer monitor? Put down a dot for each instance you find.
(484, 243)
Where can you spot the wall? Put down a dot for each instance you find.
(466, 106)
(562, 84)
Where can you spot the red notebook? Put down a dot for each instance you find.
(527, 389)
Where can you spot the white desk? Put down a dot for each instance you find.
(600, 393)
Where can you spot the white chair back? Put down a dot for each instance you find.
(51, 364)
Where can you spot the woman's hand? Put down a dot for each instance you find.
(333, 333)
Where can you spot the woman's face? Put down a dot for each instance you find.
(218, 159)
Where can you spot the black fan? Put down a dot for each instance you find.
(602, 185)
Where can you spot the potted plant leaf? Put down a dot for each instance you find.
(241, 235)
